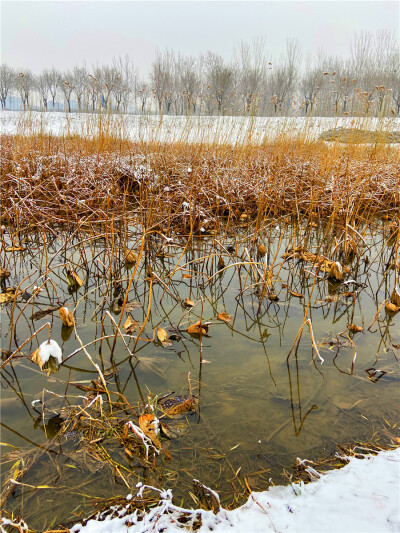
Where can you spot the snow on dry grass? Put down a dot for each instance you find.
(363, 496)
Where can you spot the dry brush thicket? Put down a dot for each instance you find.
(194, 188)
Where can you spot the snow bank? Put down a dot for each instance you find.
(364, 496)
(230, 130)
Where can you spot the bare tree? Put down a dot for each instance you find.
(53, 80)
(251, 67)
(161, 78)
(188, 82)
(7, 78)
(42, 86)
(219, 79)
(67, 88)
(25, 83)
(79, 83)
(125, 82)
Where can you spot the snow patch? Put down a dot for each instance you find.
(49, 349)
(362, 496)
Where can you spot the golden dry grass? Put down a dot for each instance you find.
(49, 180)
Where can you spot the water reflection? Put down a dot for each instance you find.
(264, 396)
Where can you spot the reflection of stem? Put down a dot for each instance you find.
(145, 320)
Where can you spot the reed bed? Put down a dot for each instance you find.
(195, 187)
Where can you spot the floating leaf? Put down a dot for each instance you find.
(272, 296)
(48, 356)
(296, 294)
(353, 328)
(221, 262)
(44, 312)
(73, 279)
(8, 295)
(182, 405)
(67, 317)
(198, 329)
(188, 303)
(163, 337)
(130, 325)
(224, 317)
(149, 425)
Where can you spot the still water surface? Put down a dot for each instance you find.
(258, 410)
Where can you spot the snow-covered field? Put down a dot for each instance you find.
(230, 130)
(364, 496)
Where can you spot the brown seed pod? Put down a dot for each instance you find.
(67, 318)
(130, 256)
(391, 309)
(395, 296)
(261, 251)
(336, 271)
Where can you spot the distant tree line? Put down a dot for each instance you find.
(250, 83)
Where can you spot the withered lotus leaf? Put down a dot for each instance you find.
(336, 271)
(353, 328)
(66, 316)
(200, 328)
(163, 337)
(224, 317)
(149, 425)
(73, 279)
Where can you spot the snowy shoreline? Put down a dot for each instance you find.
(230, 130)
(363, 496)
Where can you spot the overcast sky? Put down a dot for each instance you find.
(40, 34)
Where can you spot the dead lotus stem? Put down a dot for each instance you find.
(127, 293)
(96, 367)
(147, 315)
(308, 322)
(120, 333)
(47, 325)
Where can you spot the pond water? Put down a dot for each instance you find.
(258, 408)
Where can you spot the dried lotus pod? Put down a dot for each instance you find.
(391, 309)
(261, 251)
(336, 271)
(130, 256)
(395, 296)
(66, 316)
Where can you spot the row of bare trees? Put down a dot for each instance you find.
(365, 83)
